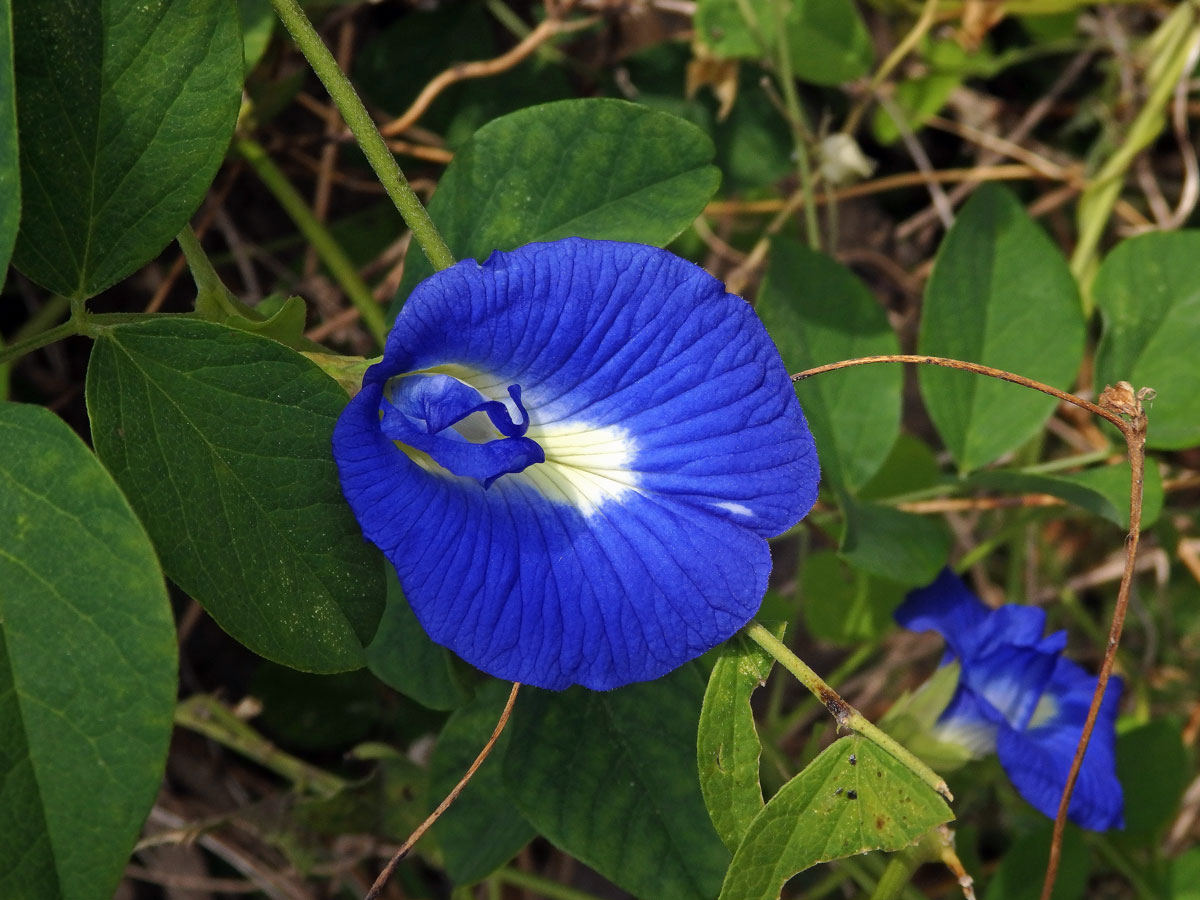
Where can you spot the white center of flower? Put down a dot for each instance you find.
(586, 465)
(1045, 711)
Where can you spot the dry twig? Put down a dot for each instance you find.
(547, 30)
(382, 880)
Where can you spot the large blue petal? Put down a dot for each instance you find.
(1039, 758)
(673, 444)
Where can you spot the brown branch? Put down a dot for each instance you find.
(976, 368)
(382, 880)
(548, 29)
(964, 504)
(1005, 148)
(1124, 409)
(1124, 402)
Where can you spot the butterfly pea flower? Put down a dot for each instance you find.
(1019, 697)
(573, 454)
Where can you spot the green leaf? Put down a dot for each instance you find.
(893, 544)
(10, 171)
(87, 666)
(648, 177)
(1152, 766)
(1019, 876)
(611, 779)
(482, 830)
(126, 110)
(1148, 293)
(818, 312)
(727, 745)
(827, 40)
(845, 605)
(852, 798)
(404, 658)
(221, 441)
(1000, 294)
(1103, 491)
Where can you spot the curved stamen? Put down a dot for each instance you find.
(422, 413)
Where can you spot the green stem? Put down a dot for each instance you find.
(843, 713)
(19, 348)
(800, 131)
(844, 670)
(1069, 462)
(387, 170)
(539, 885)
(209, 286)
(208, 716)
(857, 870)
(105, 320)
(46, 316)
(897, 875)
(327, 247)
(43, 318)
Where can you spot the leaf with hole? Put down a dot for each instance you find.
(727, 745)
(87, 666)
(852, 798)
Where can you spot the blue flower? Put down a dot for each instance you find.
(573, 455)
(1019, 697)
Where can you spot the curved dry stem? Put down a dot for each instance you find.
(382, 880)
(977, 369)
(547, 30)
